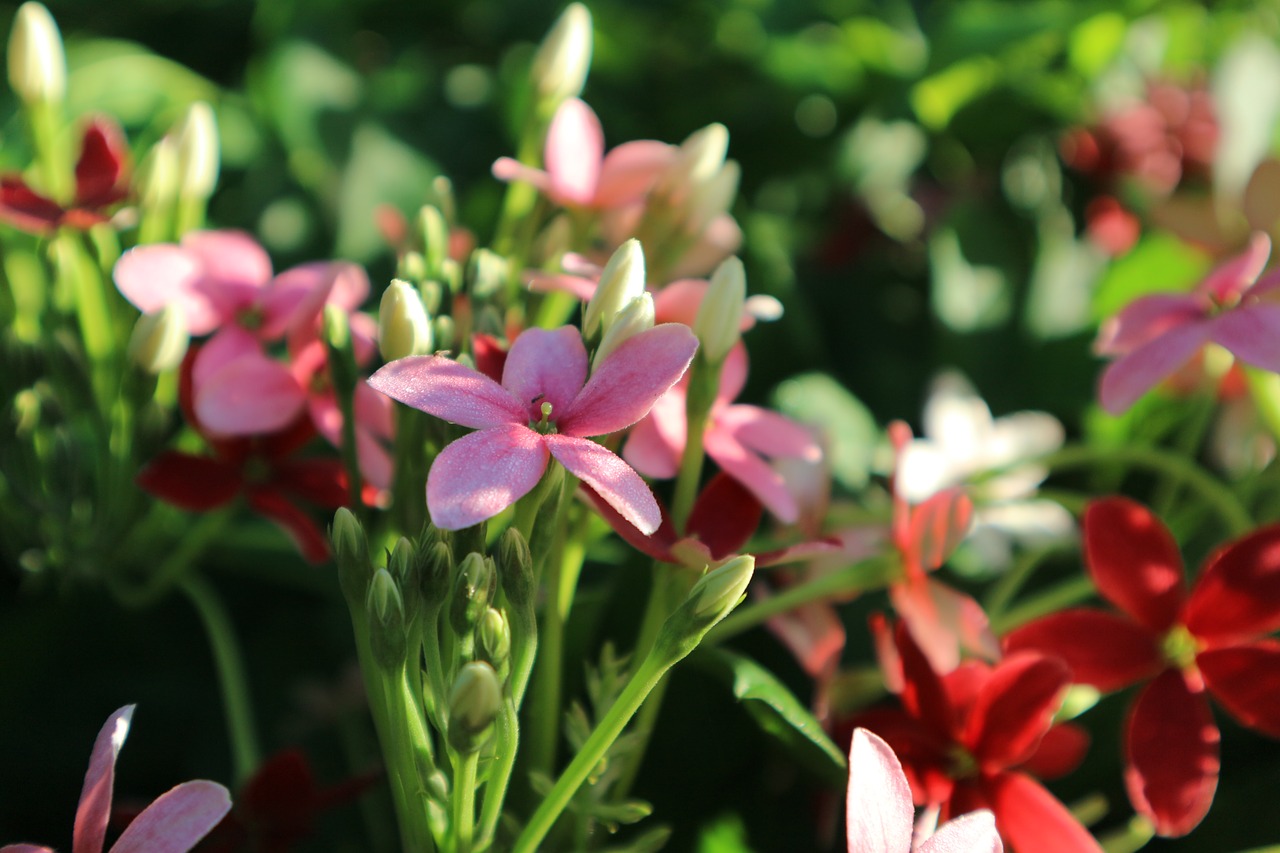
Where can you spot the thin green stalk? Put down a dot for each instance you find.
(232, 680)
(1051, 600)
(44, 119)
(198, 538)
(1006, 588)
(464, 801)
(495, 791)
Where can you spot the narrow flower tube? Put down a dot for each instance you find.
(37, 64)
(719, 317)
(560, 67)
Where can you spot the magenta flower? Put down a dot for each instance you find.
(740, 438)
(174, 823)
(879, 808)
(579, 173)
(544, 407)
(1157, 334)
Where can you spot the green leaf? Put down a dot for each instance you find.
(382, 170)
(1158, 263)
(850, 430)
(725, 835)
(778, 712)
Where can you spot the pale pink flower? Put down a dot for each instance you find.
(1155, 335)
(545, 407)
(174, 823)
(579, 173)
(879, 809)
(740, 438)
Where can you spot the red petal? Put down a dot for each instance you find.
(196, 483)
(101, 165)
(319, 481)
(937, 526)
(305, 533)
(923, 694)
(26, 209)
(725, 516)
(1237, 595)
(1101, 649)
(1246, 680)
(1014, 709)
(1034, 821)
(658, 545)
(1134, 561)
(1061, 751)
(1171, 747)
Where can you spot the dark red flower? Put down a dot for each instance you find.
(1184, 645)
(101, 181)
(970, 739)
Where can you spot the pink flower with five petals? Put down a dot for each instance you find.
(545, 407)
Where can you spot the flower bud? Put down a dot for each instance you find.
(403, 325)
(385, 608)
(474, 703)
(486, 273)
(699, 160)
(445, 331)
(720, 315)
(635, 318)
(37, 64)
(515, 568)
(351, 551)
(412, 266)
(472, 589)
(197, 137)
(712, 198)
(621, 281)
(434, 571)
(560, 66)
(720, 590)
(157, 179)
(159, 340)
(336, 327)
(493, 637)
(435, 238)
(384, 601)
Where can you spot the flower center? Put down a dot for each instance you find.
(1179, 647)
(250, 318)
(256, 471)
(544, 426)
(962, 764)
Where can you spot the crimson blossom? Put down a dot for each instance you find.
(1183, 646)
(101, 180)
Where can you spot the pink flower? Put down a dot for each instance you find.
(740, 438)
(222, 281)
(174, 823)
(579, 173)
(879, 808)
(544, 407)
(1155, 335)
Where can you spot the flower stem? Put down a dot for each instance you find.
(232, 678)
(495, 790)
(1050, 600)
(464, 801)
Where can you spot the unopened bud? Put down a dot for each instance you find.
(412, 266)
(635, 318)
(720, 315)
(385, 607)
(434, 570)
(351, 551)
(486, 273)
(435, 238)
(159, 340)
(515, 567)
(197, 136)
(445, 331)
(472, 589)
(404, 328)
(720, 590)
(712, 198)
(494, 637)
(702, 155)
(474, 703)
(384, 601)
(621, 281)
(560, 67)
(157, 179)
(37, 64)
(336, 326)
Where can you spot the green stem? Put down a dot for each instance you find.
(704, 381)
(1051, 600)
(464, 801)
(1172, 465)
(198, 538)
(232, 678)
(44, 120)
(495, 791)
(1006, 588)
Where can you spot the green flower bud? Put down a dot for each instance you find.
(412, 266)
(435, 238)
(720, 316)
(336, 327)
(445, 332)
(37, 64)
(474, 703)
(197, 139)
(472, 589)
(402, 562)
(560, 66)
(494, 637)
(351, 550)
(157, 179)
(434, 571)
(159, 340)
(385, 607)
(487, 273)
(515, 568)
(635, 318)
(720, 590)
(403, 326)
(621, 281)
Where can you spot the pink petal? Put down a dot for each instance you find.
(546, 366)
(154, 276)
(1251, 332)
(481, 474)
(1237, 595)
(878, 803)
(230, 344)
(230, 258)
(95, 797)
(625, 386)
(545, 282)
(1014, 708)
(507, 169)
(300, 290)
(769, 433)
(813, 633)
(448, 390)
(614, 480)
(679, 301)
(1233, 277)
(1171, 745)
(750, 470)
(656, 545)
(1134, 561)
(1146, 319)
(974, 832)
(647, 451)
(630, 170)
(176, 820)
(1129, 377)
(1101, 649)
(733, 374)
(1246, 681)
(1032, 820)
(25, 848)
(575, 147)
(250, 396)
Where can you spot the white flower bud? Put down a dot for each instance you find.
(621, 281)
(197, 136)
(404, 328)
(157, 179)
(720, 590)
(474, 702)
(159, 340)
(720, 315)
(635, 318)
(37, 64)
(560, 67)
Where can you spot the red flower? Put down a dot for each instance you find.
(1185, 645)
(262, 468)
(100, 183)
(966, 738)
